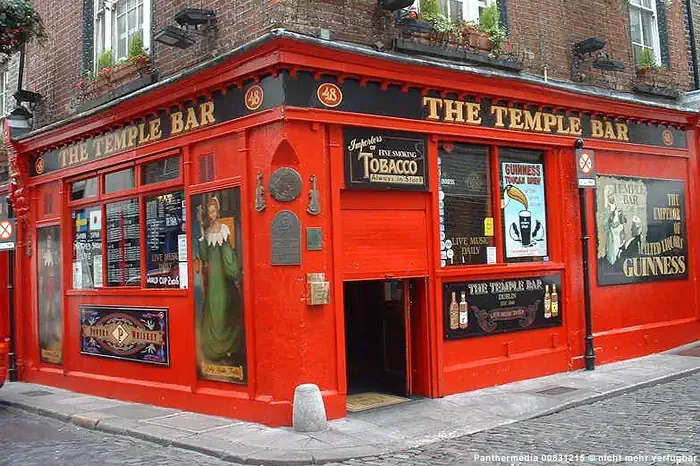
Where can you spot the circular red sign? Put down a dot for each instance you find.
(585, 162)
(254, 97)
(5, 230)
(329, 95)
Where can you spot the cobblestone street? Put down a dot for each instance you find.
(652, 422)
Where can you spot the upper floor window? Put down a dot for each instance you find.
(4, 93)
(464, 10)
(645, 30)
(117, 22)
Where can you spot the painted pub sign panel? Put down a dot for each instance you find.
(137, 334)
(489, 307)
(50, 300)
(384, 160)
(640, 227)
(218, 286)
(525, 215)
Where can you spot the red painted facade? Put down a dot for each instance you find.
(372, 235)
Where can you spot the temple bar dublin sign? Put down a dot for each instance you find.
(359, 97)
(501, 305)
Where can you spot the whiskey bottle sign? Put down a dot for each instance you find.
(491, 307)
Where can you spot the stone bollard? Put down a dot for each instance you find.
(309, 410)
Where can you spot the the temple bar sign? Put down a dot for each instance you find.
(534, 120)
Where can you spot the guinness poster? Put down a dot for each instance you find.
(640, 227)
(136, 334)
(382, 160)
(489, 307)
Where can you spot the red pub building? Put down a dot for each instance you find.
(302, 210)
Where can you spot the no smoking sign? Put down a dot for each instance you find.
(585, 168)
(7, 234)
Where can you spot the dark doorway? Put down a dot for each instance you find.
(376, 313)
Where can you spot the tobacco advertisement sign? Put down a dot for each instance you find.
(490, 307)
(382, 160)
(640, 228)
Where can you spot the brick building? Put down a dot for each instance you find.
(378, 200)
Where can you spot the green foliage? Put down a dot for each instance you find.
(647, 60)
(136, 46)
(489, 23)
(19, 24)
(104, 60)
(430, 8)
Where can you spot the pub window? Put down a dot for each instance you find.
(164, 169)
(524, 213)
(117, 24)
(120, 222)
(465, 197)
(123, 251)
(83, 189)
(119, 181)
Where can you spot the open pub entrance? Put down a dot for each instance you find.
(378, 336)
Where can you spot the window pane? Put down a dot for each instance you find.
(165, 240)
(637, 53)
(83, 189)
(647, 28)
(466, 220)
(635, 26)
(524, 212)
(161, 170)
(647, 3)
(119, 181)
(121, 7)
(87, 248)
(123, 252)
(131, 21)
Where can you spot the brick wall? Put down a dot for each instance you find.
(541, 29)
(695, 10)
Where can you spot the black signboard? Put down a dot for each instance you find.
(496, 306)
(165, 233)
(384, 160)
(123, 251)
(640, 226)
(136, 334)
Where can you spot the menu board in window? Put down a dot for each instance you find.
(123, 253)
(466, 220)
(87, 248)
(165, 232)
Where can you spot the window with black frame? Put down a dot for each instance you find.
(466, 217)
(524, 212)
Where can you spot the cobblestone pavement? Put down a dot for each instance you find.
(27, 439)
(652, 422)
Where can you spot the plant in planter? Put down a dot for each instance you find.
(489, 24)
(137, 54)
(104, 64)
(19, 24)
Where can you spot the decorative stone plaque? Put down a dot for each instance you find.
(285, 184)
(314, 239)
(286, 239)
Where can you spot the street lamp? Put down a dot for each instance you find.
(174, 37)
(20, 121)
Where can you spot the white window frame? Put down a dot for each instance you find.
(637, 9)
(4, 92)
(470, 9)
(105, 11)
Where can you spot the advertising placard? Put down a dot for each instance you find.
(640, 230)
(490, 307)
(525, 213)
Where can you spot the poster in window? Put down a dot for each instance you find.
(464, 197)
(87, 248)
(123, 250)
(524, 212)
(165, 227)
(50, 300)
(640, 226)
(218, 286)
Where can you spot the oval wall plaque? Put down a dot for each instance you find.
(285, 184)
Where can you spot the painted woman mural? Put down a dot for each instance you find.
(218, 292)
(50, 312)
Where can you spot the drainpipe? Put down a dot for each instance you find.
(693, 47)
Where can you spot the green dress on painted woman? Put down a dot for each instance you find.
(221, 334)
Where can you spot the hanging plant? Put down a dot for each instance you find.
(19, 24)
